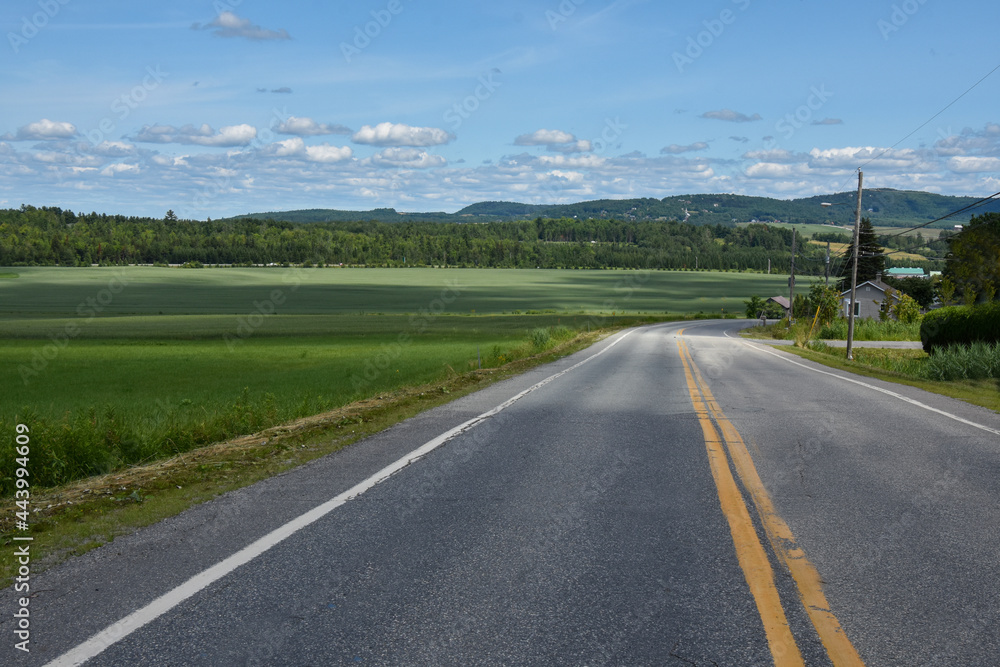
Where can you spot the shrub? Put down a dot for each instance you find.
(540, 338)
(960, 325)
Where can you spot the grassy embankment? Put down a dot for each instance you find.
(132, 374)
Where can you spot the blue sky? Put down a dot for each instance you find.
(215, 108)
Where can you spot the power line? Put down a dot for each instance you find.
(974, 205)
(931, 119)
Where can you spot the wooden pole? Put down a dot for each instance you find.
(791, 284)
(854, 272)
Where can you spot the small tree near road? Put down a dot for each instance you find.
(754, 307)
(906, 310)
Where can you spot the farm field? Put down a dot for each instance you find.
(839, 249)
(812, 229)
(106, 380)
(847, 228)
(174, 291)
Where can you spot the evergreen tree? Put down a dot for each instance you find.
(871, 260)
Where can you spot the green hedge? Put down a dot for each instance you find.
(960, 325)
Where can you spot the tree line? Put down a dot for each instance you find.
(51, 236)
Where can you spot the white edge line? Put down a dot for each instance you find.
(887, 392)
(117, 631)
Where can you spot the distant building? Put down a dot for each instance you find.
(871, 294)
(781, 301)
(905, 273)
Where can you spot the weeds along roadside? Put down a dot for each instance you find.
(865, 330)
(968, 374)
(77, 516)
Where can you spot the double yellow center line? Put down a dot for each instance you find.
(750, 552)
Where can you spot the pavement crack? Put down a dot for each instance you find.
(673, 654)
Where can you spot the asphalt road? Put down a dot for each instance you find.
(589, 522)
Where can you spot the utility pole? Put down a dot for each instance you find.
(827, 264)
(854, 272)
(791, 284)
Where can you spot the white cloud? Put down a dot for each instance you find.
(296, 148)
(731, 116)
(227, 137)
(579, 146)
(326, 153)
(674, 149)
(409, 158)
(774, 155)
(120, 168)
(228, 24)
(112, 148)
(880, 158)
(307, 127)
(581, 162)
(544, 138)
(771, 170)
(43, 130)
(398, 134)
(985, 142)
(969, 165)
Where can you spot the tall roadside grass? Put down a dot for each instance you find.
(867, 329)
(978, 361)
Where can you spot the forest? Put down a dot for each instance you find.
(48, 236)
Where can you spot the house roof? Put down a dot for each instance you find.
(780, 300)
(900, 271)
(876, 283)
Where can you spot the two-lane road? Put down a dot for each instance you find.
(670, 496)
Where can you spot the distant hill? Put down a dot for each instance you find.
(886, 207)
(334, 215)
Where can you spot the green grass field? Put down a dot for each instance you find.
(82, 292)
(112, 367)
